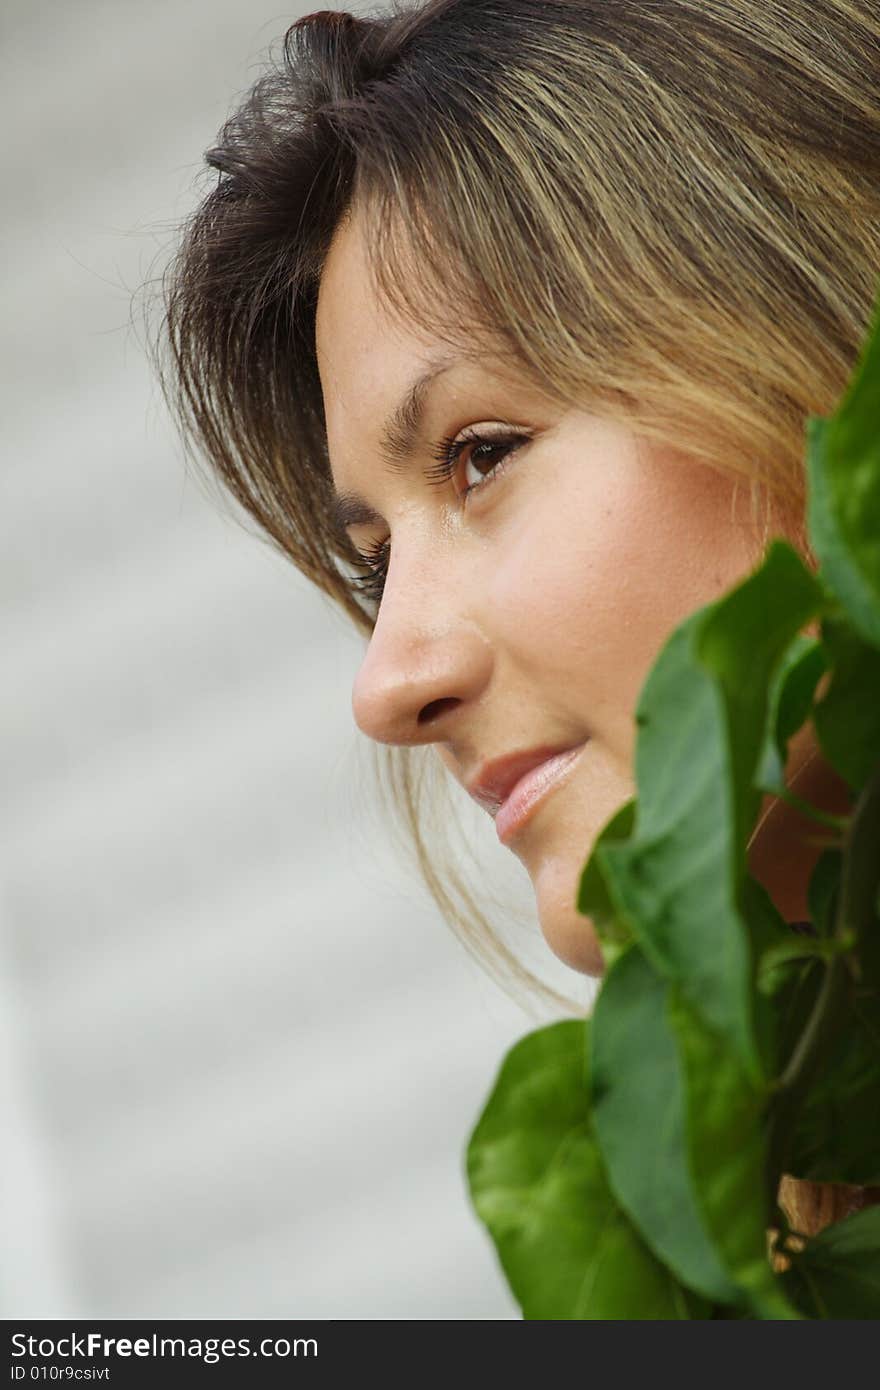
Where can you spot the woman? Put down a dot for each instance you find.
(504, 321)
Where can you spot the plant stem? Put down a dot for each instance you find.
(806, 808)
(853, 919)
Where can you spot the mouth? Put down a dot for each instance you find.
(512, 788)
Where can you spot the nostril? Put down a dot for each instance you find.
(435, 708)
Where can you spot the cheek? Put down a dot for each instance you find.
(600, 574)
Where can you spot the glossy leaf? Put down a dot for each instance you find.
(824, 889)
(791, 699)
(671, 880)
(724, 1121)
(859, 900)
(847, 718)
(742, 641)
(843, 511)
(538, 1182)
(837, 1275)
(790, 986)
(637, 1088)
(837, 1133)
(773, 942)
(678, 881)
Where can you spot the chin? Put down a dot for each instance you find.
(568, 933)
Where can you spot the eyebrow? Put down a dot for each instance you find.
(397, 442)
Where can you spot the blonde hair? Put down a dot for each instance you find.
(667, 211)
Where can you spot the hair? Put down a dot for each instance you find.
(665, 211)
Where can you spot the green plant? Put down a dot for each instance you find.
(628, 1165)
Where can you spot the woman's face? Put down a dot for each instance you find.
(520, 617)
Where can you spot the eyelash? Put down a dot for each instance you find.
(447, 451)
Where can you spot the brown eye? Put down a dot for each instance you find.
(483, 459)
(485, 455)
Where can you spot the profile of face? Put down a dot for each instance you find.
(532, 577)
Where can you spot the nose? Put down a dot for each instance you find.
(427, 660)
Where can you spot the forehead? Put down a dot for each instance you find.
(345, 288)
(352, 319)
(353, 262)
(366, 353)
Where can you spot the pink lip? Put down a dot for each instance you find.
(511, 788)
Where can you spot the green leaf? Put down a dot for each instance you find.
(834, 1132)
(859, 906)
(639, 1122)
(837, 1132)
(724, 1124)
(671, 880)
(838, 1273)
(678, 880)
(594, 898)
(843, 503)
(742, 641)
(824, 1116)
(790, 973)
(538, 1182)
(798, 948)
(771, 936)
(791, 699)
(847, 719)
(823, 890)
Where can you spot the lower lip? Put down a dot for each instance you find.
(522, 802)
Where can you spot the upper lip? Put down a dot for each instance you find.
(495, 780)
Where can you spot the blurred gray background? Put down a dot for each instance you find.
(240, 1052)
